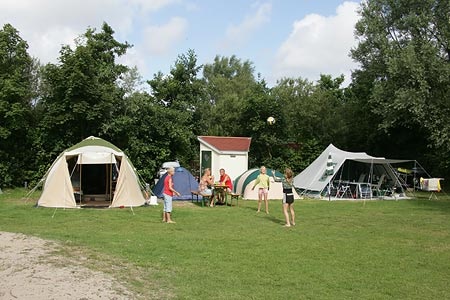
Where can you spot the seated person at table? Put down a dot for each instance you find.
(206, 182)
(225, 181)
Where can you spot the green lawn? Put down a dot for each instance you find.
(338, 250)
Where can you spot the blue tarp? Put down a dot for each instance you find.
(183, 182)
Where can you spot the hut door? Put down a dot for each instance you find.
(205, 161)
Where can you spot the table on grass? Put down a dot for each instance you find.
(220, 189)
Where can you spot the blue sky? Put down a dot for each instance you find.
(301, 38)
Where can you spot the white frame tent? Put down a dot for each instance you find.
(59, 191)
(316, 178)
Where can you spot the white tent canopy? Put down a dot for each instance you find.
(65, 177)
(315, 178)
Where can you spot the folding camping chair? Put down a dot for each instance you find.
(377, 187)
(344, 190)
(364, 190)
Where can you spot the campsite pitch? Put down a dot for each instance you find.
(337, 250)
(30, 269)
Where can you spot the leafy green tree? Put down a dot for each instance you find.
(146, 131)
(404, 53)
(181, 89)
(312, 116)
(179, 96)
(228, 82)
(268, 141)
(80, 94)
(16, 97)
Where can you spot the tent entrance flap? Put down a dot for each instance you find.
(93, 181)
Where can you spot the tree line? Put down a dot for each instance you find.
(397, 104)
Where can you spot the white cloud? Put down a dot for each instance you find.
(238, 34)
(319, 45)
(46, 46)
(152, 5)
(160, 39)
(135, 57)
(48, 24)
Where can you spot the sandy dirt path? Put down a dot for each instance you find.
(30, 269)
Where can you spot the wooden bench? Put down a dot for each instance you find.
(205, 197)
(235, 196)
(194, 194)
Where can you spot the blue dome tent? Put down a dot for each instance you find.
(183, 182)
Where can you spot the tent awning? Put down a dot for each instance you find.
(92, 158)
(315, 177)
(380, 160)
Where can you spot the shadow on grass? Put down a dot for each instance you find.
(441, 202)
(264, 215)
(274, 220)
(252, 207)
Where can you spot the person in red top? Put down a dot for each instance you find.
(226, 181)
(168, 193)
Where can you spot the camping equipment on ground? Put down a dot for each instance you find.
(338, 174)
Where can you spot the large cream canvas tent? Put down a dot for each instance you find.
(243, 185)
(336, 169)
(93, 169)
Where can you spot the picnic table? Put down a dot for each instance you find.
(220, 190)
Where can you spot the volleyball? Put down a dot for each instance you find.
(270, 120)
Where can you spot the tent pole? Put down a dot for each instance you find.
(73, 170)
(65, 188)
(371, 179)
(422, 168)
(106, 182)
(397, 181)
(414, 179)
(27, 197)
(340, 180)
(110, 183)
(116, 166)
(81, 189)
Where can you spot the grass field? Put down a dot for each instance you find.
(337, 250)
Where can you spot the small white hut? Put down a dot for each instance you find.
(229, 153)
